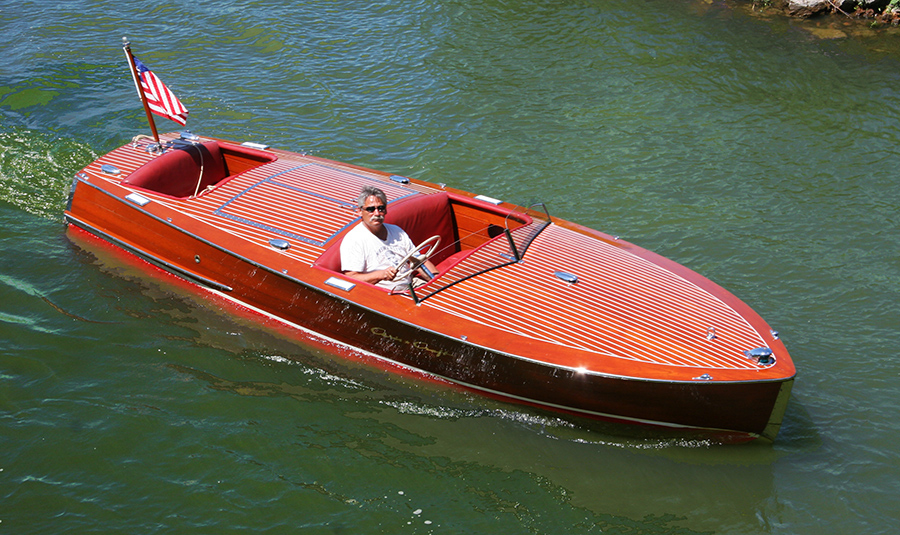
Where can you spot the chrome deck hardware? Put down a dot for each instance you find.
(138, 199)
(110, 169)
(280, 244)
(487, 199)
(254, 145)
(762, 355)
(566, 277)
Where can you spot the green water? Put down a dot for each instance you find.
(743, 147)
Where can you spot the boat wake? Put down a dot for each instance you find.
(452, 413)
(324, 376)
(37, 168)
(553, 427)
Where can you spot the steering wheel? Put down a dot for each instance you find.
(413, 260)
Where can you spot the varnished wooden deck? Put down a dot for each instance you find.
(622, 306)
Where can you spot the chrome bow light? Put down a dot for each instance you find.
(762, 355)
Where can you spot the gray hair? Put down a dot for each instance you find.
(368, 191)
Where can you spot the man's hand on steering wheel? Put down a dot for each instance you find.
(414, 260)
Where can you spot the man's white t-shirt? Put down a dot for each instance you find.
(362, 251)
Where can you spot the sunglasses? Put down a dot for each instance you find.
(381, 208)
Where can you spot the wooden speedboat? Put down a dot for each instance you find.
(524, 306)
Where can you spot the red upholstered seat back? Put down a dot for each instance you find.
(177, 171)
(421, 216)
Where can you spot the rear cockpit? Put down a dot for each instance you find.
(186, 168)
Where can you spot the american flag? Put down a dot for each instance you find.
(162, 102)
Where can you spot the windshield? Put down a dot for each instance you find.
(506, 248)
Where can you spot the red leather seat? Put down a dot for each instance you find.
(423, 216)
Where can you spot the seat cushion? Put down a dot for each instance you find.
(177, 171)
(423, 216)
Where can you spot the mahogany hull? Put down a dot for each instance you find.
(219, 261)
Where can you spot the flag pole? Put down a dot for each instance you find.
(137, 84)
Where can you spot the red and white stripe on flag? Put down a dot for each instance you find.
(161, 101)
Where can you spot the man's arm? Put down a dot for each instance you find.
(373, 277)
(430, 267)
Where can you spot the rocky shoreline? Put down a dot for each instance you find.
(878, 11)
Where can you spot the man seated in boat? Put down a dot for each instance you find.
(372, 250)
